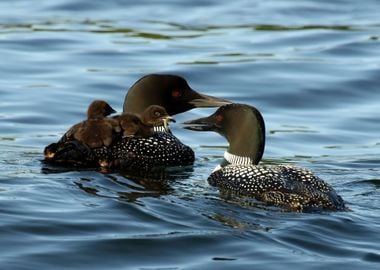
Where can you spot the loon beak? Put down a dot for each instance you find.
(203, 100)
(166, 121)
(201, 124)
(109, 110)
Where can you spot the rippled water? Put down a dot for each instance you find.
(311, 67)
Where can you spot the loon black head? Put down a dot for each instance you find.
(99, 109)
(156, 115)
(169, 91)
(242, 125)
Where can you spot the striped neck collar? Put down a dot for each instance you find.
(231, 159)
(161, 129)
(237, 160)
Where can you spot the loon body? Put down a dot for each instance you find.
(161, 149)
(142, 147)
(239, 173)
(136, 146)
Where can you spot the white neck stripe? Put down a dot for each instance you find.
(237, 160)
(160, 129)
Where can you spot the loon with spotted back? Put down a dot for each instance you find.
(134, 142)
(142, 147)
(239, 173)
(161, 148)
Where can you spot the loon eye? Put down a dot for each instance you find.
(219, 118)
(176, 93)
(157, 114)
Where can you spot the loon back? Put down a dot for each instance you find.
(159, 150)
(290, 187)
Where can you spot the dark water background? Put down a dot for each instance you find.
(311, 67)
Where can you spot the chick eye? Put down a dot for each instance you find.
(157, 114)
(176, 93)
(219, 118)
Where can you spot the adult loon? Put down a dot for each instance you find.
(286, 186)
(162, 148)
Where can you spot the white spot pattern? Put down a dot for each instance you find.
(282, 185)
(161, 149)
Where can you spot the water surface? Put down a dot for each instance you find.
(311, 67)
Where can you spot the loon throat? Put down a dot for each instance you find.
(237, 160)
(231, 159)
(161, 128)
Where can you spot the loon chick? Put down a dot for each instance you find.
(156, 116)
(143, 126)
(239, 173)
(97, 130)
(93, 132)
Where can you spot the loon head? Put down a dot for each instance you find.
(243, 127)
(99, 109)
(156, 116)
(169, 91)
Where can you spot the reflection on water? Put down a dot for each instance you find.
(311, 67)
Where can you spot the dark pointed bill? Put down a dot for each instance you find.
(109, 110)
(201, 124)
(208, 101)
(170, 119)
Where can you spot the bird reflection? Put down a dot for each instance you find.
(129, 186)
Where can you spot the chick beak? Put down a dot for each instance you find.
(166, 121)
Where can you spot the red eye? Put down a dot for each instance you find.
(219, 118)
(176, 93)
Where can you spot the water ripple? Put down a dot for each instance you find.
(311, 67)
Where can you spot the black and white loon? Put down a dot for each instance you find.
(239, 173)
(171, 92)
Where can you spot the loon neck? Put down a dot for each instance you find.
(161, 128)
(237, 160)
(246, 139)
(246, 135)
(231, 159)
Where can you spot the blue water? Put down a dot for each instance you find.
(311, 67)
